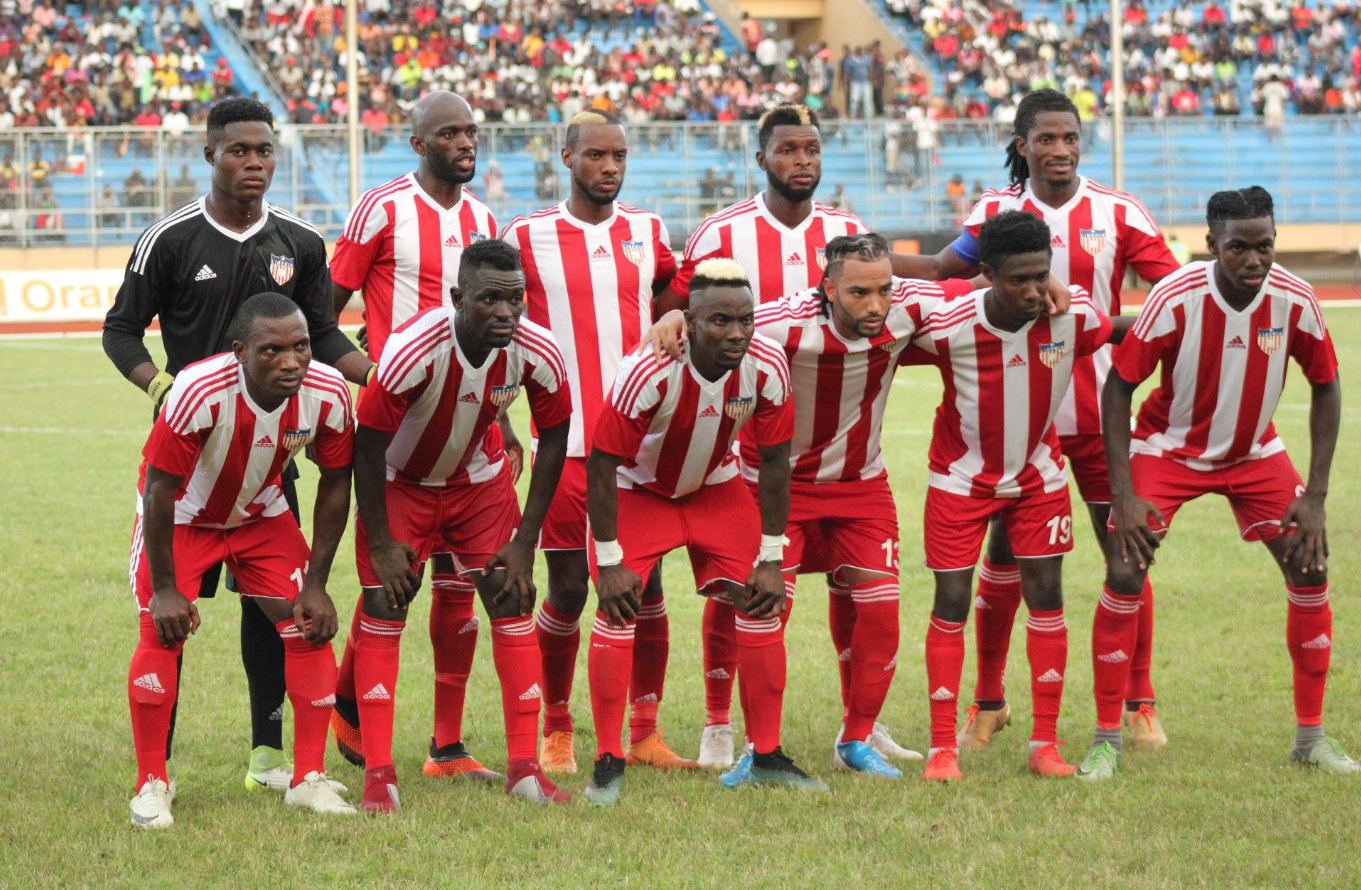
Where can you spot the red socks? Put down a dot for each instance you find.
(874, 653)
(944, 664)
(720, 660)
(559, 637)
(999, 595)
(515, 650)
(453, 635)
(1046, 645)
(153, 684)
(310, 675)
(608, 666)
(376, 659)
(1309, 636)
(652, 647)
(841, 622)
(1140, 687)
(761, 659)
(1114, 634)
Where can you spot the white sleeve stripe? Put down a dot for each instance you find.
(544, 350)
(196, 395)
(359, 217)
(636, 382)
(409, 354)
(142, 252)
(293, 218)
(1157, 302)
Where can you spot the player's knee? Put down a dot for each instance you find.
(953, 596)
(1044, 598)
(1295, 577)
(568, 581)
(274, 609)
(376, 605)
(1124, 579)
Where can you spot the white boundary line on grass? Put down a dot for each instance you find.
(12, 339)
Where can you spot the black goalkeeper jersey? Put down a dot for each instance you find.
(193, 275)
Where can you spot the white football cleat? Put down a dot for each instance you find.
(883, 743)
(317, 794)
(151, 806)
(715, 746)
(278, 778)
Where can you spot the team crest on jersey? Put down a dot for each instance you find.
(739, 407)
(821, 257)
(1270, 339)
(1092, 240)
(474, 237)
(1051, 353)
(281, 268)
(295, 439)
(504, 395)
(634, 251)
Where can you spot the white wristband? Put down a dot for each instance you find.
(772, 548)
(608, 553)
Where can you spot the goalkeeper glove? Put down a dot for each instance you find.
(159, 387)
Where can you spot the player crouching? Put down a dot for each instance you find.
(211, 493)
(663, 474)
(1006, 366)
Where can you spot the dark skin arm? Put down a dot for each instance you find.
(340, 296)
(174, 616)
(1132, 541)
(665, 301)
(313, 612)
(619, 591)
(517, 556)
(1120, 325)
(947, 264)
(765, 584)
(1307, 548)
(515, 452)
(392, 561)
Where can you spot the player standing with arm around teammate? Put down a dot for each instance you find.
(401, 247)
(211, 493)
(192, 270)
(427, 478)
(1224, 332)
(592, 267)
(1006, 366)
(663, 474)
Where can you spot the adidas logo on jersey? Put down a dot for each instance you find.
(794, 259)
(718, 674)
(531, 693)
(710, 411)
(1236, 343)
(149, 682)
(470, 627)
(942, 694)
(1319, 642)
(205, 274)
(1058, 242)
(379, 692)
(650, 698)
(1050, 676)
(600, 253)
(1017, 361)
(469, 398)
(844, 654)
(327, 702)
(1113, 657)
(264, 442)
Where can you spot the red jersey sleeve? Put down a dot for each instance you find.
(173, 452)
(1142, 246)
(334, 442)
(550, 395)
(381, 409)
(705, 243)
(1311, 346)
(627, 413)
(358, 244)
(618, 434)
(1147, 343)
(773, 421)
(1092, 326)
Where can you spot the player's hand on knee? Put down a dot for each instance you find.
(765, 591)
(1135, 540)
(393, 564)
(620, 593)
(174, 617)
(1307, 548)
(315, 616)
(516, 560)
(668, 335)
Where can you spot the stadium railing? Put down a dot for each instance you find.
(681, 170)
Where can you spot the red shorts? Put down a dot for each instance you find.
(564, 526)
(267, 556)
(955, 524)
(842, 525)
(719, 525)
(1086, 457)
(470, 521)
(1259, 491)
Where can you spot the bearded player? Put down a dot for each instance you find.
(592, 268)
(428, 478)
(1224, 332)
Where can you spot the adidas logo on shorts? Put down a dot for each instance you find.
(1113, 657)
(149, 682)
(531, 693)
(942, 694)
(1050, 676)
(718, 674)
(650, 698)
(327, 702)
(379, 692)
(470, 627)
(1319, 642)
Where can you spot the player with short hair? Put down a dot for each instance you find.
(211, 492)
(1006, 366)
(663, 474)
(592, 268)
(1224, 332)
(1096, 234)
(191, 271)
(401, 247)
(427, 478)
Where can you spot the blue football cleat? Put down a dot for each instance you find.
(740, 772)
(861, 758)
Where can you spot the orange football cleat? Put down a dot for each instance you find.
(652, 751)
(943, 766)
(349, 742)
(454, 761)
(555, 752)
(1045, 760)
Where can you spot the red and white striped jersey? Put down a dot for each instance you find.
(994, 431)
(1222, 371)
(442, 409)
(675, 430)
(777, 260)
(1095, 236)
(401, 248)
(591, 285)
(840, 386)
(231, 451)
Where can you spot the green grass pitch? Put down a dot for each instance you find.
(1219, 807)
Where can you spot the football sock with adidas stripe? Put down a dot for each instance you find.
(559, 638)
(1309, 636)
(153, 684)
(376, 660)
(1114, 633)
(720, 660)
(608, 665)
(874, 653)
(651, 650)
(453, 636)
(1140, 688)
(515, 650)
(998, 596)
(761, 661)
(1046, 645)
(310, 672)
(944, 665)
(841, 622)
